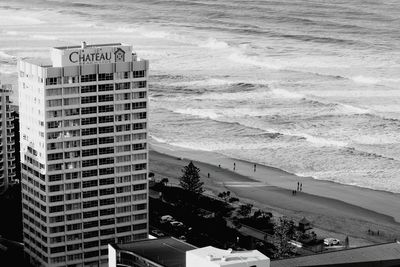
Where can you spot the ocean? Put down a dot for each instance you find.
(310, 87)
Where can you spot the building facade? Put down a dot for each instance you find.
(84, 153)
(7, 139)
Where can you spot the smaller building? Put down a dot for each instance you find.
(7, 139)
(213, 257)
(172, 252)
(160, 252)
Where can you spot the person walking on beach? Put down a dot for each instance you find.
(301, 186)
(255, 167)
(234, 166)
(208, 175)
(298, 186)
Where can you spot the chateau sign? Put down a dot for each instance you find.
(91, 55)
(74, 57)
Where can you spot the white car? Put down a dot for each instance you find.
(167, 218)
(331, 241)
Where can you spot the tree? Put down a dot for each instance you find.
(164, 181)
(190, 180)
(284, 232)
(224, 195)
(245, 210)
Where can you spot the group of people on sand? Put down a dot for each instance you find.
(299, 188)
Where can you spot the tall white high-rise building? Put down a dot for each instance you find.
(7, 140)
(84, 154)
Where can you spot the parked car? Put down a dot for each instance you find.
(176, 223)
(166, 218)
(157, 233)
(330, 241)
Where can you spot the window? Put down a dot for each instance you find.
(138, 74)
(91, 214)
(141, 84)
(71, 133)
(89, 152)
(106, 191)
(123, 117)
(123, 189)
(54, 135)
(72, 175)
(71, 101)
(139, 116)
(105, 212)
(106, 119)
(106, 150)
(106, 76)
(138, 167)
(72, 154)
(106, 140)
(123, 128)
(141, 156)
(105, 161)
(55, 156)
(119, 107)
(120, 169)
(123, 96)
(122, 86)
(89, 163)
(123, 138)
(71, 90)
(123, 179)
(88, 99)
(90, 173)
(139, 146)
(86, 121)
(71, 79)
(106, 171)
(88, 78)
(105, 98)
(88, 194)
(53, 81)
(71, 112)
(54, 113)
(139, 126)
(54, 103)
(86, 184)
(138, 187)
(89, 110)
(123, 199)
(138, 95)
(89, 131)
(106, 181)
(106, 87)
(88, 89)
(72, 144)
(125, 158)
(89, 142)
(107, 108)
(53, 92)
(122, 75)
(71, 123)
(123, 148)
(106, 129)
(138, 105)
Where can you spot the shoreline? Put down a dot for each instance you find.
(332, 208)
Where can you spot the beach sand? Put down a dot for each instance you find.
(335, 210)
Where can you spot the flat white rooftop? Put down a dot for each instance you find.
(211, 256)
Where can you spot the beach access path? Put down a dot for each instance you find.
(334, 209)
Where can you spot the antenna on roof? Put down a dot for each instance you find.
(83, 45)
